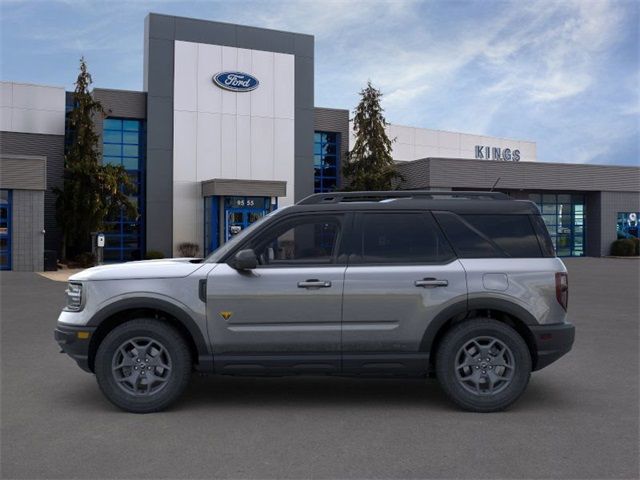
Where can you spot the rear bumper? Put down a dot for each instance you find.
(552, 342)
(77, 347)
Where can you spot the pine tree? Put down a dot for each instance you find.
(369, 165)
(91, 191)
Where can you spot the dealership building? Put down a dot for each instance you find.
(226, 130)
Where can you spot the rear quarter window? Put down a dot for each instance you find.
(489, 235)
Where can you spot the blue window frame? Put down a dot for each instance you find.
(123, 143)
(5, 229)
(326, 161)
(564, 216)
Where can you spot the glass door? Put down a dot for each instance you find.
(564, 215)
(240, 212)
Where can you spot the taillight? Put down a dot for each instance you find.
(562, 289)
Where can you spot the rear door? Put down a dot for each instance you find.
(401, 275)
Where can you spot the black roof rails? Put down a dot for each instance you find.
(337, 197)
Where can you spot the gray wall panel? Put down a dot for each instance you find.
(27, 240)
(122, 103)
(24, 172)
(481, 174)
(51, 147)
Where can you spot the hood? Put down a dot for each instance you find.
(165, 268)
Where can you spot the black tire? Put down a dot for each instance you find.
(452, 365)
(173, 362)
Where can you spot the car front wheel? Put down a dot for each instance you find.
(143, 365)
(483, 365)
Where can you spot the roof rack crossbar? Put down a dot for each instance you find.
(337, 197)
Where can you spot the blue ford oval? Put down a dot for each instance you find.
(236, 81)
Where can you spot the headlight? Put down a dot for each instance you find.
(74, 297)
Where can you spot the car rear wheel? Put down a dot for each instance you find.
(483, 365)
(143, 365)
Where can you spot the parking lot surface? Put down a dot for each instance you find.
(578, 418)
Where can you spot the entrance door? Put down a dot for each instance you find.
(287, 311)
(5, 230)
(240, 212)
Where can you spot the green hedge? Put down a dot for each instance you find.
(153, 255)
(625, 247)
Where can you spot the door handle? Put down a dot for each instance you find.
(431, 283)
(313, 283)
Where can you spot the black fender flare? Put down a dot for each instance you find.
(205, 358)
(463, 307)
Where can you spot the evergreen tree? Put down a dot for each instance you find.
(369, 165)
(92, 191)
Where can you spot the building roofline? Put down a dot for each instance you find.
(538, 162)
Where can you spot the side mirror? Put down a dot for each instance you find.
(245, 260)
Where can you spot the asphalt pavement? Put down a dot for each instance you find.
(578, 418)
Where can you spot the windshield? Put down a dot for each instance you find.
(216, 255)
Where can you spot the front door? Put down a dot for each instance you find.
(401, 276)
(286, 313)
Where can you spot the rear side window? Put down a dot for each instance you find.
(484, 236)
(401, 238)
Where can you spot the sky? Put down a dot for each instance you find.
(565, 74)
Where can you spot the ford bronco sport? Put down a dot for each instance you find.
(463, 286)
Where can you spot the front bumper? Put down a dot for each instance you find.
(75, 341)
(552, 342)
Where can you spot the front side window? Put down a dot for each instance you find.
(402, 238)
(304, 241)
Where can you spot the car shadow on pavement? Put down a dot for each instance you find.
(211, 392)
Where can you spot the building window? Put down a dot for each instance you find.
(627, 225)
(5, 229)
(124, 144)
(564, 216)
(326, 161)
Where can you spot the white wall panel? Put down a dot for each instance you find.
(32, 108)
(37, 121)
(184, 146)
(415, 143)
(229, 63)
(185, 76)
(243, 146)
(5, 119)
(243, 101)
(228, 142)
(187, 214)
(38, 97)
(223, 134)
(209, 63)
(6, 94)
(262, 155)
(209, 163)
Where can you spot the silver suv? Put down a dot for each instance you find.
(463, 286)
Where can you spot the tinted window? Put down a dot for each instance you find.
(467, 242)
(402, 238)
(307, 240)
(482, 236)
(514, 234)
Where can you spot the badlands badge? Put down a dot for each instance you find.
(226, 315)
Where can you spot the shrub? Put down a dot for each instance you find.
(153, 255)
(188, 249)
(623, 248)
(636, 242)
(85, 260)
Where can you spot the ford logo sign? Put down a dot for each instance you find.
(236, 81)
